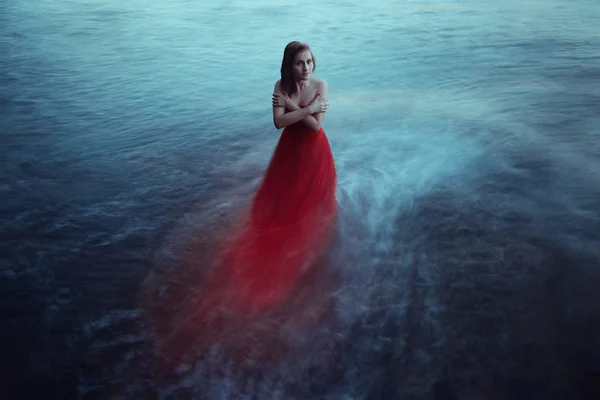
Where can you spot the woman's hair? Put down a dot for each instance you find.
(287, 64)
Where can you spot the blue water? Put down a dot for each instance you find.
(467, 140)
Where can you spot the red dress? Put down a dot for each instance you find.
(282, 234)
(287, 226)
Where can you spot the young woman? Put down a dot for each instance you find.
(292, 216)
(286, 228)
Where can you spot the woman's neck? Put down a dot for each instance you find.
(303, 84)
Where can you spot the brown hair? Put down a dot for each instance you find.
(287, 64)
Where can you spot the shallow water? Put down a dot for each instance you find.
(466, 136)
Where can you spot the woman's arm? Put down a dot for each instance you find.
(285, 119)
(282, 119)
(309, 121)
(324, 90)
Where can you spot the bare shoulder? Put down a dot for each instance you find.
(322, 87)
(278, 85)
(321, 83)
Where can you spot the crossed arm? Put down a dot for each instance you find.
(311, 116)
(309, 120)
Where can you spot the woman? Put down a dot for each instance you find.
(292, 216)
(289, 223)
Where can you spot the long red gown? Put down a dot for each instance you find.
(281, 234)
(286, 227)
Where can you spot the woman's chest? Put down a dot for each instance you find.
(305, 98)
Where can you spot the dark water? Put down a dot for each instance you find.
(467, 140)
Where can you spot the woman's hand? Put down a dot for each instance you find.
(318, 104)
(280, 100)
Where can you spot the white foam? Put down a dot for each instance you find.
(387, 168)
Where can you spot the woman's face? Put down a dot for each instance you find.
(303, 65)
